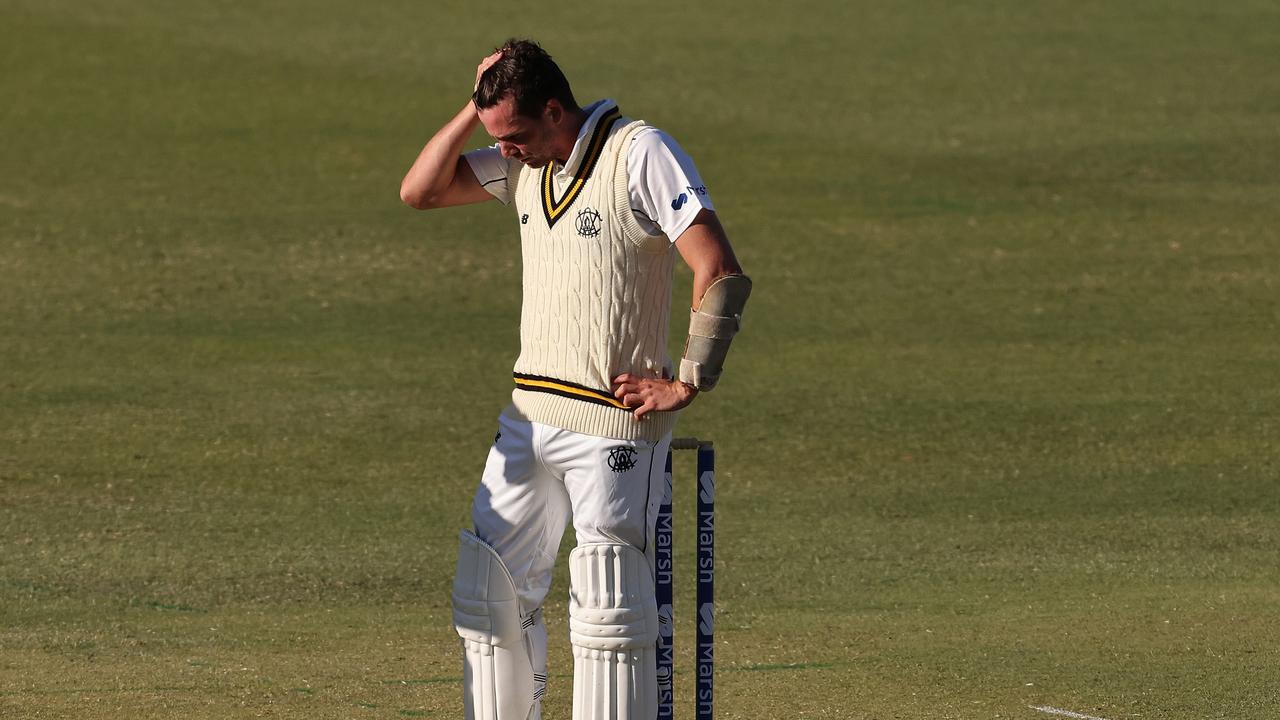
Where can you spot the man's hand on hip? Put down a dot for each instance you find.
(644, 395)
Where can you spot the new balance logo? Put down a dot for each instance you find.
(679, 202)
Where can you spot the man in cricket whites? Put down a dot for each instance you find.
(604, 204)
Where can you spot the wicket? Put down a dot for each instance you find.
(664, 577)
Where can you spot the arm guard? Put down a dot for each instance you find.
(711, 330)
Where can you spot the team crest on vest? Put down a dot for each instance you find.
(622, 458)
(588, 222)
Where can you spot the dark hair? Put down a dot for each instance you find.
(528, 74)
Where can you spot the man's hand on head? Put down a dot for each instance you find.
(645, 395)
(485, 64)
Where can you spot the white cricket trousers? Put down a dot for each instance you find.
(538, 477)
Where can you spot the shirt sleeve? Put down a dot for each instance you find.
(665, 188)
(493, 171)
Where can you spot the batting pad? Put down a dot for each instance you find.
(613, 626)
(498, 673)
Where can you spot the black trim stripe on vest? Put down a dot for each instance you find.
(553, 209)
(564, 388)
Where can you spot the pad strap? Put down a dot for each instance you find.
(713, 326)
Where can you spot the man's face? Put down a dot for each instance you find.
(526, 139)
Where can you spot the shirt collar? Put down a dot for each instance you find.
(594, 111)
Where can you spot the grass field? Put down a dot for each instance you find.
(1001, 431)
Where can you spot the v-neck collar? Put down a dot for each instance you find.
(582, 159)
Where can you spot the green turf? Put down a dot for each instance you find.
(1000, 432)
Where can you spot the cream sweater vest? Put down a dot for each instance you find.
(597, 294)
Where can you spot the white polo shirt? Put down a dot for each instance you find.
(665, 188)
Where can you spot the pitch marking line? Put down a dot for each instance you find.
(1064, 713)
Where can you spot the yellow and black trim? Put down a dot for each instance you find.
(553, 209)
(563, 388)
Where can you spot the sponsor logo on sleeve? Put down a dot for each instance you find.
(700, 191)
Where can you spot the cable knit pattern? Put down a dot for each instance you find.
(595, 306)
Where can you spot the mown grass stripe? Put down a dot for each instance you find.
(111, 691)
(778, 667)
